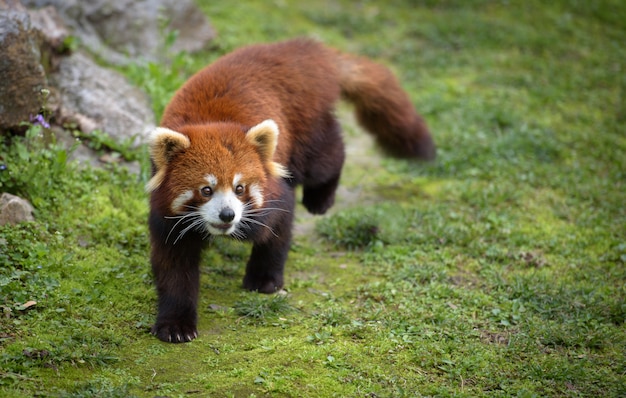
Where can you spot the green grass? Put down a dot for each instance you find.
(497, 270)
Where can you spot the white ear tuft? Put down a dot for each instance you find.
(265, 137)
(164, 145)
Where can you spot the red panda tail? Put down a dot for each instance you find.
(383, 108)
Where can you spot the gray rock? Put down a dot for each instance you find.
(21, 75)
(123, 31)
(96, 98)
(51, 27)
(14, 210)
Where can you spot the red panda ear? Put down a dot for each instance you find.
(164, 144)
(264, 136)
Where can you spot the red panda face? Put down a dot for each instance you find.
(212, 177)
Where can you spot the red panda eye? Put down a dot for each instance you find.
(206, 191)
(239, 190)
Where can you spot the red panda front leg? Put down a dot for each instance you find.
(176, 273)
(264, 271)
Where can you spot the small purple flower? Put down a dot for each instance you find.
(38, 119)
(3, 167)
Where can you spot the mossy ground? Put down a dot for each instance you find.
(497, 270)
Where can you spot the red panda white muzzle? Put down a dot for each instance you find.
(222, 213)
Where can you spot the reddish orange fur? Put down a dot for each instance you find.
(296, 84)
(207, 144)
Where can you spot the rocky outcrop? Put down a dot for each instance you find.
(79, 91)
(21, 74)
(123, 31)
(52, 29)
(43, 70)
(97, 98)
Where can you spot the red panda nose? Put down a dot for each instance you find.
(227, 214)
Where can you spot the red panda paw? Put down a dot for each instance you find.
(171, 332)
(265, 285)
(318, 199)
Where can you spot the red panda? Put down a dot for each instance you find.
(235, 141)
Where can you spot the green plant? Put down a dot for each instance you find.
(101, 141)
(352, 229)
(23, 160)
(258, 306)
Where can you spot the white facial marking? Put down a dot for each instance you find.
(210, 211)
(257, 194)
(211, 179)
(177, 205)
(236, 179)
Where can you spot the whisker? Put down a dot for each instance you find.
(191, 226)
(206, 235)
(183, 232)
(274, 201)
(250, 203)
(243, 223)
(176, 217)
(180, 219)
(266, 209)
(194, 220)
(187, 217)
(257, 222)
(238, 235)
(187, 214)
